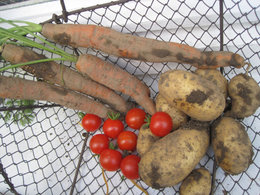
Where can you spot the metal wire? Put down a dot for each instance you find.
(49, 155)
(78, 166)
(8, 2)
(6, 179)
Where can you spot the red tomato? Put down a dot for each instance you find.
(161, 124)
(110, 159)
(112, 128)
(91, 122)
(135, 118)
(98, 143)
(129, 166)
(127, 140)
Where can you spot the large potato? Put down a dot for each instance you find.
(145, 140)
(216, 77)
(194, 95)
(231, 145)
(173, 157)
(178, 117)
(245, 96)
(197, 182)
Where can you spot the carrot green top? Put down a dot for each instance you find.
(18, 34)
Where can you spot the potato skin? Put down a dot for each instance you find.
(197, 182)
(194, 95)
(232, 146)
(178, 117)
(216, 77)
(245, 96)
(173, 157)
(145, 140)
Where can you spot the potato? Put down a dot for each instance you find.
(194, 95)
(145, 140)
(173, 157)
(197, 182)
(231, 145)
(245, 96)
(178, 117)
(216, 77)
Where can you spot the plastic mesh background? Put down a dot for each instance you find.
(42, 157)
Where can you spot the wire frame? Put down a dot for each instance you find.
(52, 155)
(8, 2)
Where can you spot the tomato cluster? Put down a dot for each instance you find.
(113, 159)
(122, 156)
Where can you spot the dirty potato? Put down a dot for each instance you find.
(178, 117)
(231, 144)
(173, 157)
(216, 77)
(197, 182)
(245, 96)
(145, 140)
(194, 95)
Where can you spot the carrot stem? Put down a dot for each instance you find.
(35, 27)
(17, 32)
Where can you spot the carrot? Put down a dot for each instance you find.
(18, 88)
(138, 48)
(117, 79)
(63, 76)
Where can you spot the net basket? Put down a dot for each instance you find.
(47, 155)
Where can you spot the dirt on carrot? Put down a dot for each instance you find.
(18, 88)
(64, 76)
(139, 48)
(117, 79)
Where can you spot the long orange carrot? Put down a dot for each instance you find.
(117, 79)
(139, 48)
(63, 76)
(18, 88)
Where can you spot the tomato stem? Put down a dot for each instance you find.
(147, 120)
(113, 115)
(81, 115)
(112, 146)
(123, 177)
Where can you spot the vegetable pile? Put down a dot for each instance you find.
(168, 136)
(202, 96)
(96, 82)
